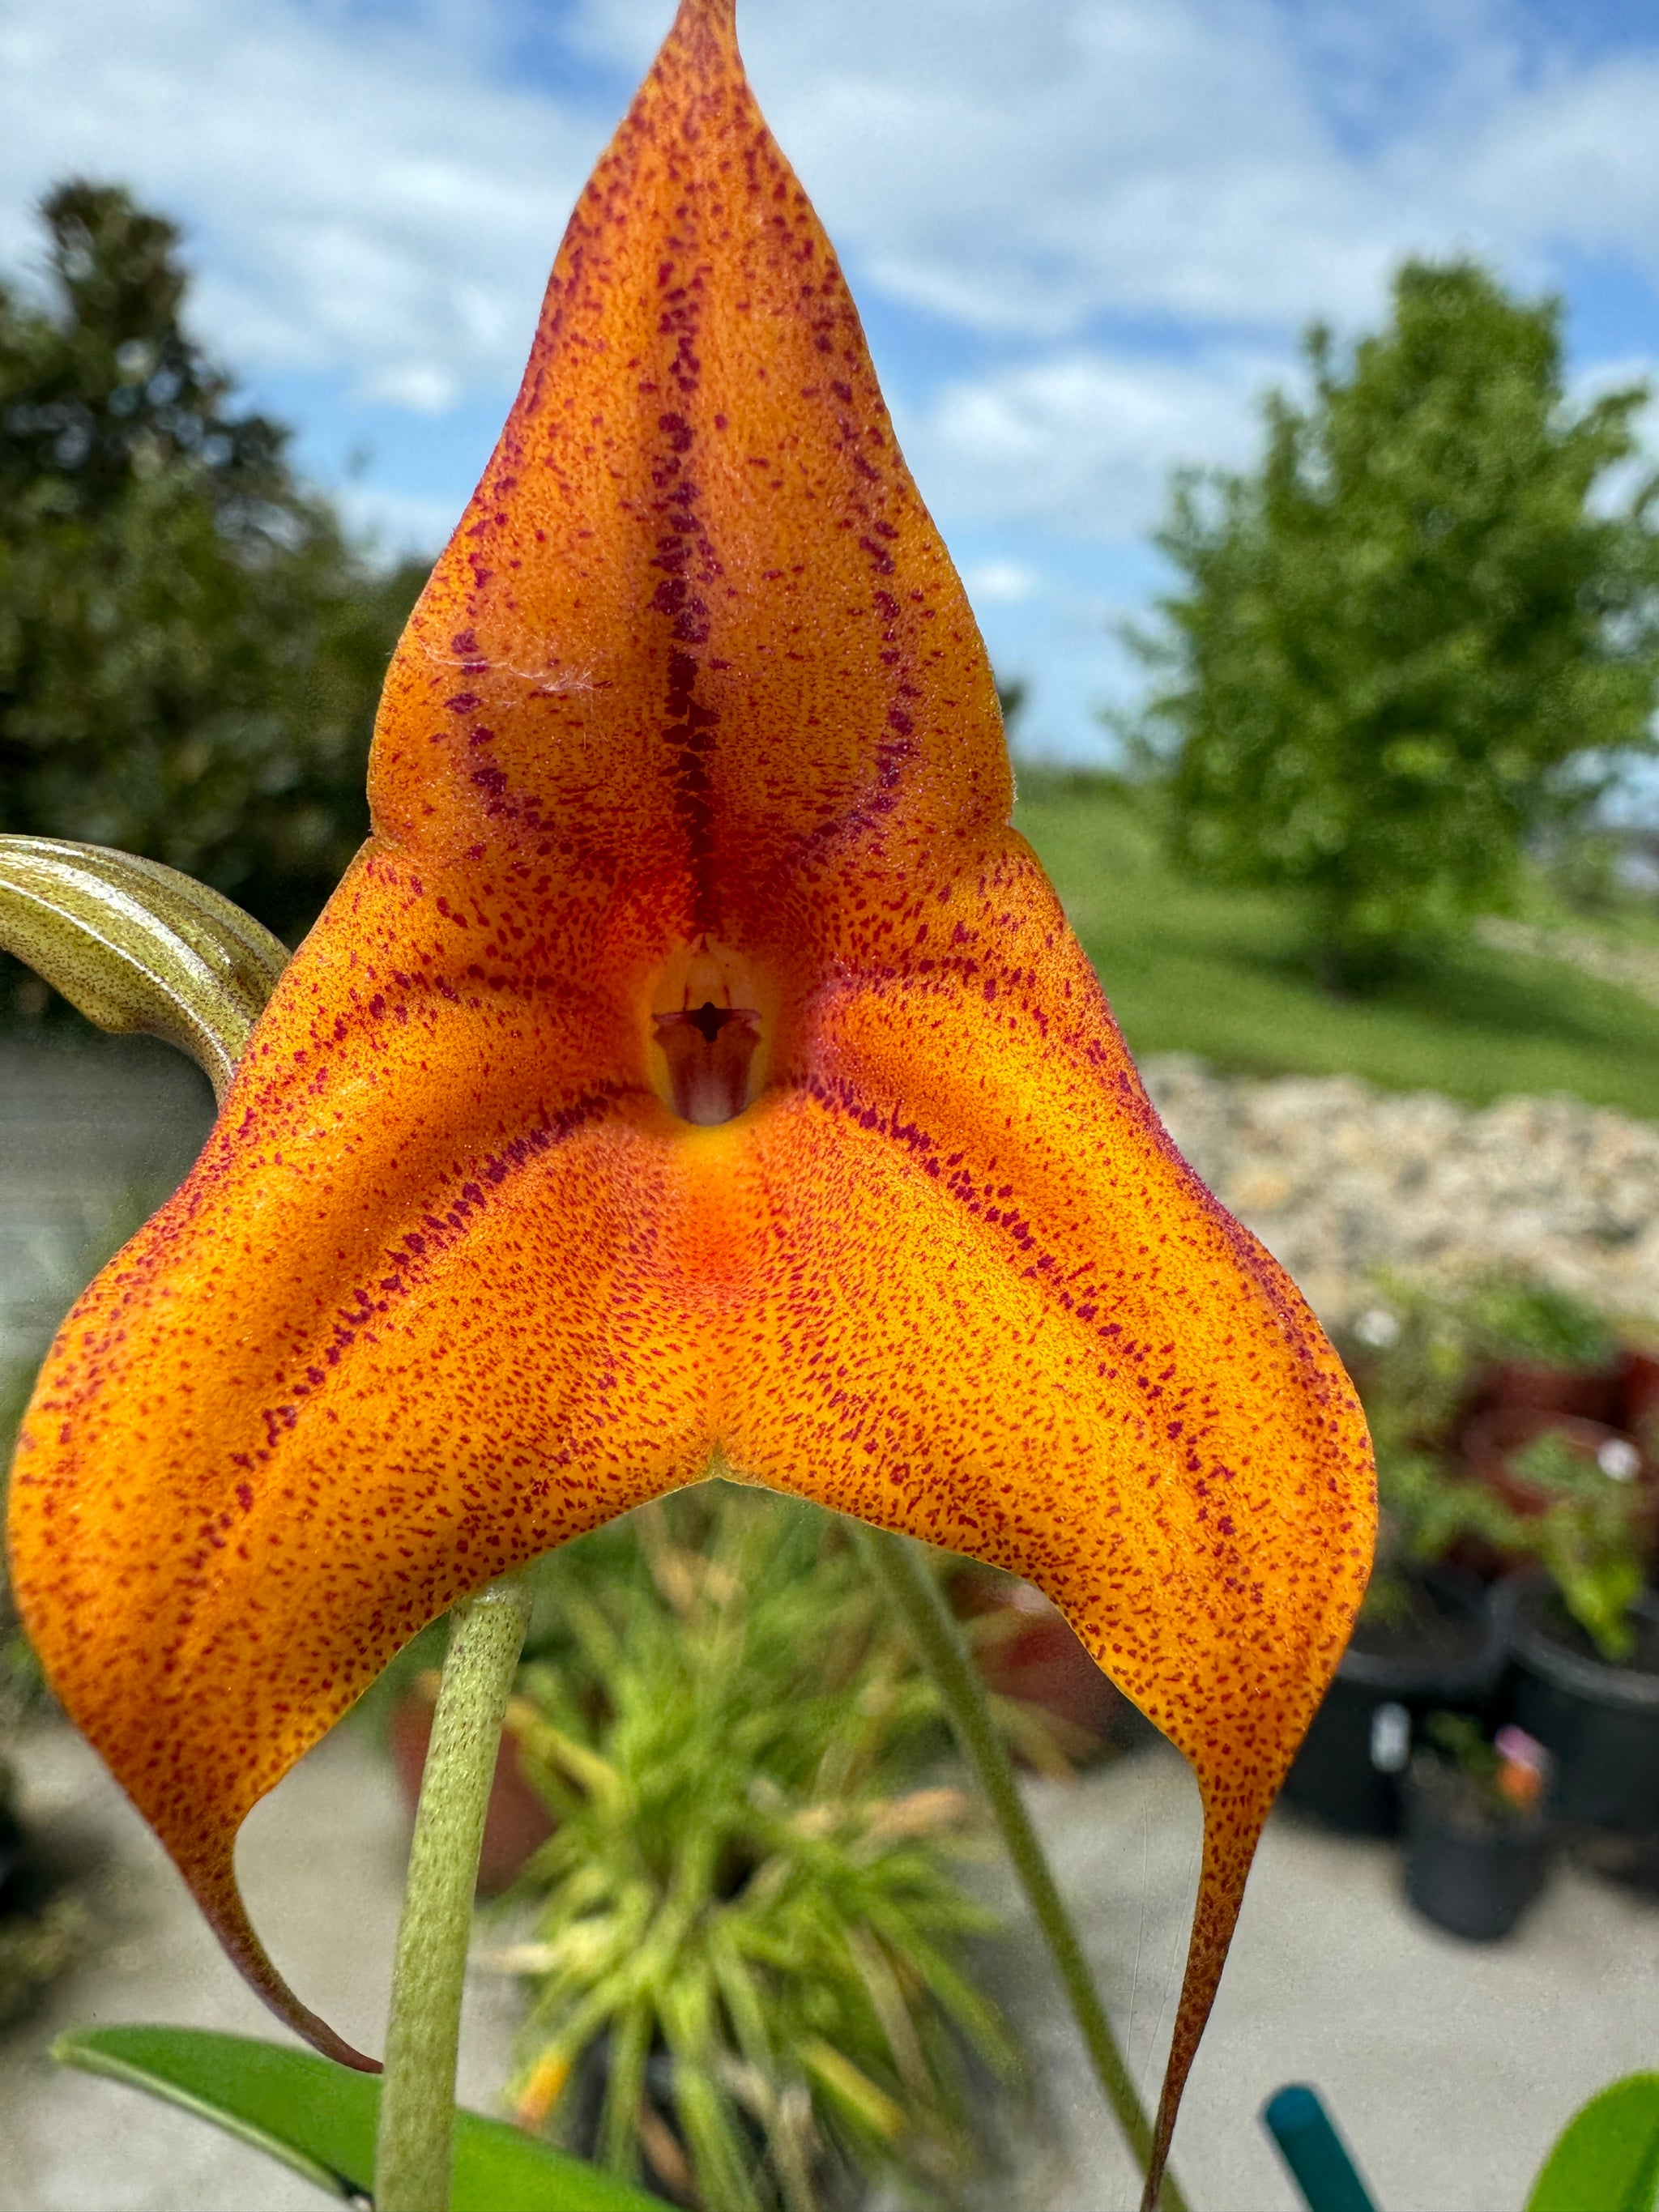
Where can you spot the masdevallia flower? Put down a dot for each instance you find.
(694, 1068)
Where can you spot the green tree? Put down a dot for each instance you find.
(1419, 634)
(190, 645)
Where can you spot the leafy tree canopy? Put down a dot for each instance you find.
(190, 645)
(1422, 632)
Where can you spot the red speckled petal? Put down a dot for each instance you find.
(696, 627)
(992, 1307)
(401, 1329)
(689, 790)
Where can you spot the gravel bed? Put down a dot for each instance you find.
(1341, 1181)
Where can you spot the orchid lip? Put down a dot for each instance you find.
(709, 1050)
(707, 1032)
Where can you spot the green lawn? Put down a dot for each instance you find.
(1220, 973)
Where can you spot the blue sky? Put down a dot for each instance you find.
(1085, 234)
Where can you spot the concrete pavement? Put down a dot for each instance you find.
(1449, 2067)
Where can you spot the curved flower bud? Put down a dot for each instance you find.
(136, 946)
(693, 1062)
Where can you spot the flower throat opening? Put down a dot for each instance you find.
(706, 1028)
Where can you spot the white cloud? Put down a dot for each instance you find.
(379, 194)
(417, 386)
(1002, 583)
(397, 523)
(1026, 166)
(1575, 162)
(1085, 441)
(361, 198)
(1127, 208)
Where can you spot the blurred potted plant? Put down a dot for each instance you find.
(1424, 1639)
(1513, 1432)
(1583, 1637)
(1429, 1359)
(1579, 1515)
(1560, 1425)
(1495, 1381)
(1582, 1628)
(1477, 1842)
(44, 1929)
(742, 1935)
(1563, 1501)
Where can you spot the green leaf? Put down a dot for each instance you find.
(1608, 2155)
(319, 2118)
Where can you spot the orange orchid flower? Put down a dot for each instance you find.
(693, 1069)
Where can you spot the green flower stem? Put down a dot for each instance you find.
(413, 2148)
(909, 1581)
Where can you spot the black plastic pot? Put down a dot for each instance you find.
(23, 1887)
(1348, 1770)
(1599, 1722)
(14, 1870)
(1473, 1876)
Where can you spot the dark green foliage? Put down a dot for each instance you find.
(191, 648)
(1419, 636)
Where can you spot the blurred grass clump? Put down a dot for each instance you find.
(743, 1946)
